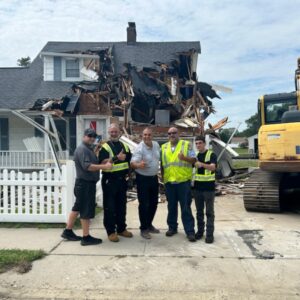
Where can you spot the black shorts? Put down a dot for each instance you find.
(85, 203)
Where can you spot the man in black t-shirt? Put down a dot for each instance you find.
(114, 185)
(204, 189)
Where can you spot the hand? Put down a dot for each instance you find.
(199, 164)
(107, 166)
(121, 156)
(142, 164)
(181, 156)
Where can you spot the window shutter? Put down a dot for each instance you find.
(4, 134)
(57, 68)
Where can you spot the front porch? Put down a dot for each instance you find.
(24, 146)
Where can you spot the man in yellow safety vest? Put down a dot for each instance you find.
(204, 189)
(177, 158)
(114, 185)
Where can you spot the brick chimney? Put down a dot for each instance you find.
(131, 33)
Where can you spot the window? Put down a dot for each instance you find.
(4, 134)
(275, 110)
(72, 68)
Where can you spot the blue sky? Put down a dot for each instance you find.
(251, 46)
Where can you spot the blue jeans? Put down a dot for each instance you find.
(180, 192)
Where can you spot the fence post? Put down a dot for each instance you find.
(69, 191)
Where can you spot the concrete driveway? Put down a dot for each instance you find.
(255, 256)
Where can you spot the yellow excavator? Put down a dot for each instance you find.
(279, 151)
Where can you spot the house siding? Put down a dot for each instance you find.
(48, 68)
(57, 68)
(18, 130)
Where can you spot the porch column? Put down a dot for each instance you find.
(46, 145)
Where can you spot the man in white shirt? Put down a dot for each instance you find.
(145, 161)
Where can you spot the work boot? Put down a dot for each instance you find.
(68, 234)
(199, 235)
(171, 232)
(126, 234)
(113, 237)
(209, 239)
(191, 237)
(89, 240)
(152, 229)
(145, 234)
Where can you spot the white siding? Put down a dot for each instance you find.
(48, 68)
(18, 130)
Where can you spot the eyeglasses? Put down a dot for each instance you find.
(172, 132)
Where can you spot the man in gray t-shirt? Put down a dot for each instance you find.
(87, 175)
(145, 161)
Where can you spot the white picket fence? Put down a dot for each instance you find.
(45, 196)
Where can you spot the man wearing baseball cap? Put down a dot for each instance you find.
(87, 175)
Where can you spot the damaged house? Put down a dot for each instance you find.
(70, 86)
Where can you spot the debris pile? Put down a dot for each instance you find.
(168, 93)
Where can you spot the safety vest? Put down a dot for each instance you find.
(208, 175)
(116, 167)
(176, 170)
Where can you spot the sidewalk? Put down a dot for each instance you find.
(164, 268)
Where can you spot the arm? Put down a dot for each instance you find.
(210, 167)
(136, 160)
(104, 166)
(190, 158)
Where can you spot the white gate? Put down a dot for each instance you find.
(45, 196)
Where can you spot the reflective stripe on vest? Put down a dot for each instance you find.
(119, 166)
(176, 170)
(208, 175)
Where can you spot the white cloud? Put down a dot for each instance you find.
(251, 46)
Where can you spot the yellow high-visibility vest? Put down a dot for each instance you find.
(176, 170)
(208, 175)
(116, 167)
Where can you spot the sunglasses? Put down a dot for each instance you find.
(172, 133)
(91, 136)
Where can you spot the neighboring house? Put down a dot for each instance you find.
(53, 73)
(238, 142)
(253, 144)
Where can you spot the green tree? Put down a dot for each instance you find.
(24, 61)
(225, 134)
(253, 125)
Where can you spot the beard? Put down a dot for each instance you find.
(114, 139)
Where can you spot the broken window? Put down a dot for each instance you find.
(72, 68)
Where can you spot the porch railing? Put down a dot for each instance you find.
(28, 160)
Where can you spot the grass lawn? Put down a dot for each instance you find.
(245, 163)
(241, 151)
(42, 225)
(19, 259)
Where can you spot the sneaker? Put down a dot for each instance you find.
(199, 235)
(209, 239)
(113, 237)
(171, 232)
(89, 240)
(145, 234)
(191, 237)
(68, 234)
(126, 234)
(152, 229)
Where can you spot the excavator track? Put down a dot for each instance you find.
(262, 192)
